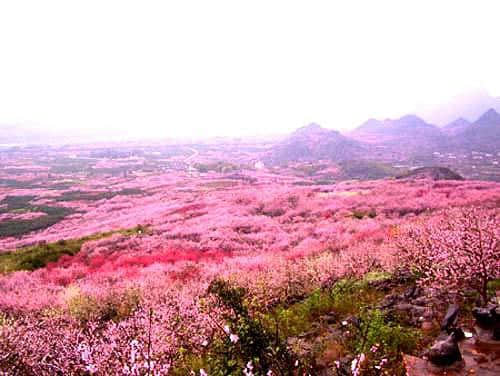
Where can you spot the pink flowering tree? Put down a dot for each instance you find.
(458, 251)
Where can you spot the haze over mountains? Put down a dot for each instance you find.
(387, 139)
(408, 134)
(470, 106)
(391, 139)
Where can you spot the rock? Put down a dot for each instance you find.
(403, 276)
(403, 307)
(450, 318)
(496, 333)
(496, 326)
(388, 301)
(413, 310)
(488, 318)
(458, 334)
(410, 292)
(445, 352)
(417, 310)
(484, 317)
(382, 285)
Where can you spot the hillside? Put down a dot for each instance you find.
(483, 134)
(313, 142)
(408, 135)
(456, 127)
(365, 169)
(431, 173)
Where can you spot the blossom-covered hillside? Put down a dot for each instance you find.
(177, 273)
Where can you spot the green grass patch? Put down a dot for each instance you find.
(374, 330)
(346, 297)
(38, 256)
(382, 341)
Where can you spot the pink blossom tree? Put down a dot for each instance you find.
(459, 250)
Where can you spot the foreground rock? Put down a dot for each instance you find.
(451, 317)
(488, 321)
(445, 352)
(476, 360)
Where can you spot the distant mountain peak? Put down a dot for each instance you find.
(461, 120)
(313, 129)
(411, 120)
(410, 117)
(457, 126)
(470, 105)
(483, 134)
(405, 123)
(490, 116)
(313, 142)
(370, 122)
(312, 126)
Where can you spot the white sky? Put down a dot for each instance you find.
(204, 68)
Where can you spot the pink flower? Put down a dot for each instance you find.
(233, 338)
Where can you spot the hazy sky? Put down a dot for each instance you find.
(177, 68)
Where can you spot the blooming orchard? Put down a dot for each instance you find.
(135, 303)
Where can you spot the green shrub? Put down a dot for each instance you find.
(255, 343)
(392, 337)
(382, 342)
(347, 296)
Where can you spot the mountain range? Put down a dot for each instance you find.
(391, 139)
(469, 105)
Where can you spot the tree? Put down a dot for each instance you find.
(458, 251)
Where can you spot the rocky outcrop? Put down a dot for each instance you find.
(445, 352)
(488, 319)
